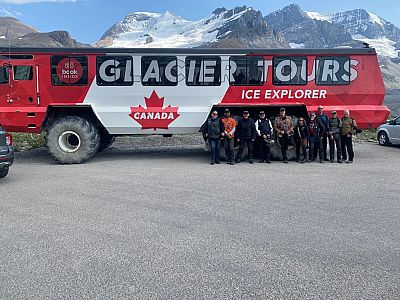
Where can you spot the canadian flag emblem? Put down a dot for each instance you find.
(154, 116)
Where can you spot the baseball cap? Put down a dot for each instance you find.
(262, 112)
(227, 111)
(334, 112)
(320, 107)
(246, 112)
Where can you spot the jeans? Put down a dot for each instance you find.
(215, 146)
(324, 145)
(332, 142)
(242, 143)
(347, 147)
(229, 152)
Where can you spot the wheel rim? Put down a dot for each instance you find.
(382, 139)
(69, 141)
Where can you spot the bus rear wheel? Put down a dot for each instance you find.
(72, 140)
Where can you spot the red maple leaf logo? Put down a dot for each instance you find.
(154, 116)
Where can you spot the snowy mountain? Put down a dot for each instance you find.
(302, 31)
(366, 27)
(238, 27)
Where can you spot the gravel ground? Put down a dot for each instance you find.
(151, 219)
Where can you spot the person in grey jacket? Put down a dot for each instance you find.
(212, 130)
(335, 127)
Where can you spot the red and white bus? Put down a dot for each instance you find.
(84, 97)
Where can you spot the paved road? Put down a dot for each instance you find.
(164, 224)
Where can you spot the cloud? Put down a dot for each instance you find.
(16, 2)
(9, 13)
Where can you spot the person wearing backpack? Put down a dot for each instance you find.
(335, 127)
(349, 127)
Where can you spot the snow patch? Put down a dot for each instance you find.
(319, 16)
(376, 19)
(383, 46)
(296, 46)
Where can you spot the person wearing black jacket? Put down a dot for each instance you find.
(212, 130)
(246, 135)
(264, 134)
(323, 120)
(314, 142)
(301, 138)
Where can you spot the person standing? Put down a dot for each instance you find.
(335, 126)
(264, 134)
(284, 129)
(314, 142)
(213, 130)
(323, 119)
(349, 126)
(246, 135)
(301, 137)
(228, 136)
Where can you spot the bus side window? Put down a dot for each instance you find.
(333, 70)
(290, 70)
(4, 78)
(159, 71)
(23, 72)
(203, 70)
(246, 70)
(69, 70)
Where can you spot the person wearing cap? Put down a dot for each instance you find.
(323, 119)
(284, 129)
(246, 135)
(335, 127)
(228, 136)
(301, 138)
(349, 127)
(314, 129)
(212, 130)
(264, 134)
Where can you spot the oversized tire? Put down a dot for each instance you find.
(383, 139)
(4, 172)
(106, 140)
(72, 140)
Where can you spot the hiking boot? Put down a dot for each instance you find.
(250, 161)
(332, 161)
(212, 163)
(340, 161)
(302, 162)
(268, 161)
(217, 162)
(285, 161)
(261, 161)
(232, 163)
(321, 161)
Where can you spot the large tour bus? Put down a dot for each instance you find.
(84, 97)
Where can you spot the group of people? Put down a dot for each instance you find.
(314, 135)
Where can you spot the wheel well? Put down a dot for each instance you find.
(55, 112)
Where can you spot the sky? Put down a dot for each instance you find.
(87, 20)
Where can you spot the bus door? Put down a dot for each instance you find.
(24, 83)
